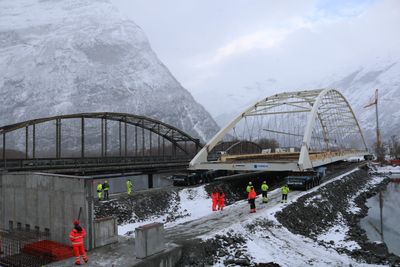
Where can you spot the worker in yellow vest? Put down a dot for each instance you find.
(129, 186)
(285, 192)
(264, 190)
(99, 188)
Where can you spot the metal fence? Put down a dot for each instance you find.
(14, 244)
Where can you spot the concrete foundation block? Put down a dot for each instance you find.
(149, 240)
(105, 231)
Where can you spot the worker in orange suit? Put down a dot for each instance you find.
(214, 199)
(77, 236)
(252, 199)
(221, 200)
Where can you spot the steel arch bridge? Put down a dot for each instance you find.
(297, 131)
(98, 138)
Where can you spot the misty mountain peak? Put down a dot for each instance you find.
(60, 57)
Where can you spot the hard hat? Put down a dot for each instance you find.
(250, 183)
(264, 182)
(105, 181)
(75, 222)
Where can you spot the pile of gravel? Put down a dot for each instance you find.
(141, 206)
(229, 248)
(318, 211)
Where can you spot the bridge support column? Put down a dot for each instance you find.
(4, 149)
(26, 142)
(150, 180)
(82, 137)
(33, 141)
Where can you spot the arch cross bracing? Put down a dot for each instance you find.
(297, 131)
(173, 135)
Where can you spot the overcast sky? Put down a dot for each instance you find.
(232, 51)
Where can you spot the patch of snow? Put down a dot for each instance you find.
(308, 201)
(338, 234)
(194, 203)
(388, 169)
(352, 206)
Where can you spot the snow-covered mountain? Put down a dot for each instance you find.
(61, 57)
(359, 87)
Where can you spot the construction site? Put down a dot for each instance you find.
(158, 224)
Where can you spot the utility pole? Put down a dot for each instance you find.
(378, 132)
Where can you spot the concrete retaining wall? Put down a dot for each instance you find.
(140, 182)
(167, 258)
(50, 202)
(149, 240)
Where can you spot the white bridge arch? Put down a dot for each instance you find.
(311, 128)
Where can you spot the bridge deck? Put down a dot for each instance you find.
(282, 161)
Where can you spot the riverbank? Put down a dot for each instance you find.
(331, 217)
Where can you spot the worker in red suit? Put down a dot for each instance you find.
(214, 199)
(252, 199)
(77, 236)
(221, 200)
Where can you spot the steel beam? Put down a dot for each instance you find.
(26, 142)
(126, 138)
(34, 141)
(102, 137)
(105, 137)
(82, 137)
(4, 149)
(120, 142)
(143, 144)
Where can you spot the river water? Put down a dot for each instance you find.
(390, 216)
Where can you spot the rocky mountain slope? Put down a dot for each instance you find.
(61, 57)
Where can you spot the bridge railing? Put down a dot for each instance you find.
(88, 162)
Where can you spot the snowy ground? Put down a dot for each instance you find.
(193, 203)
(388, 169)
(287, 249)
(272, 244)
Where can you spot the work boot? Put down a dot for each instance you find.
(77, 263)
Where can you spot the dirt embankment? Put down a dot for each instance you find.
(318, 211)
(140, 205)
(165, 201)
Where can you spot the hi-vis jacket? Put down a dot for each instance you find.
(77, 237)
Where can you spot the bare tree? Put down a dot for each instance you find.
(380, 151)
(394, 146)
(268, 143)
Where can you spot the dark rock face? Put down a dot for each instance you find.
(318, 211)
(81, 56)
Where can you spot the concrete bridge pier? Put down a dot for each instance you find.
(150, 180)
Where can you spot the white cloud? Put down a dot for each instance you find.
(258, 40)
(217, 49)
